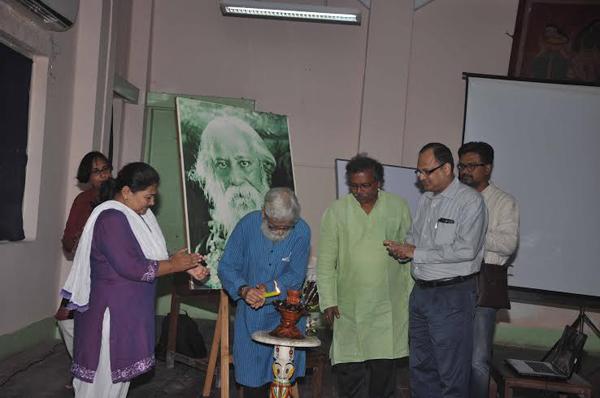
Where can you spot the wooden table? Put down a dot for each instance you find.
(504, 378)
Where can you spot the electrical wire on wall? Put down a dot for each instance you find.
(362, 94)
(406, 97)
(406, 92)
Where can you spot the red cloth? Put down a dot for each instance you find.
(80, 211)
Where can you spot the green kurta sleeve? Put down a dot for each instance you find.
(327, 261)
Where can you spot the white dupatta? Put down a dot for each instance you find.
(146, 231)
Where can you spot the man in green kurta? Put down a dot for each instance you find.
(363, 291)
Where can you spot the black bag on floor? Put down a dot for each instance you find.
(568, 350)
(189, 341)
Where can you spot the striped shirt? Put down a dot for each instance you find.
(250, 259)
(448, 232)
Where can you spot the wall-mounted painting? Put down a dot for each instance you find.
(557, 40)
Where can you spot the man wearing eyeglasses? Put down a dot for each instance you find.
(445, 244)
(267, 251)
(476, 160)
(363, 292)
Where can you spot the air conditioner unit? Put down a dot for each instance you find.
(57, 15)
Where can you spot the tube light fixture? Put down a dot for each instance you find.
(300, 12)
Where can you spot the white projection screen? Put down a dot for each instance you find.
(546, 139)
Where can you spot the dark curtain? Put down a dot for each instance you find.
(15, 79)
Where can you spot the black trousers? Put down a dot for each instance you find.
(256, 392)
(375, 378)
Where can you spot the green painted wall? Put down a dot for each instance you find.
(515, 336)
(28, 336)
(508, 335)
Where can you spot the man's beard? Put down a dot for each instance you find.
(274, 236)
(230, 205)
(468, 180)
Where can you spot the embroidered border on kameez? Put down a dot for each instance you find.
(72, 306)
(150, 274)
(133, 370)
(83, 373)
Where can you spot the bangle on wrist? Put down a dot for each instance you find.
(241, 290)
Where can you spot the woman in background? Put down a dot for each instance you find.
(93, 170)
(112, 284)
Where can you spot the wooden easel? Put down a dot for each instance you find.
(220, 339)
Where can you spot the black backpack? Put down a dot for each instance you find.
(189, 341)
(568, 350)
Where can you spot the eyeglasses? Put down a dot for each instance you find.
(105, 169)
(366, 185)
(425, 172)
(468, 167)
(282, 228)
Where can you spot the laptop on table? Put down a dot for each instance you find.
(559, 362)
(537, 369)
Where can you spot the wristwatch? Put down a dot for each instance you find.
(241, 290)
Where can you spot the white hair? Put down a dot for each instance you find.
(281, 204)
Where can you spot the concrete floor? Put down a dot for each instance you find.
(43, 371)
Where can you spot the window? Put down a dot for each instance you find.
(15, 82)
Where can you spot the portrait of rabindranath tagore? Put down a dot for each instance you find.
(230, 162)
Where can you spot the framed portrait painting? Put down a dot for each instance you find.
(230, 157)
(557, 40)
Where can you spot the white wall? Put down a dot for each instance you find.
(451, 37)
(29, 269)
(393, 83)
(311, 72)
(93, 72)
(138, 70)
(387, 87)
(79, 87)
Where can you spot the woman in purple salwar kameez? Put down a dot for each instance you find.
(112, 285)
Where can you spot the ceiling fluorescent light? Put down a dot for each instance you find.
(301, 12)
